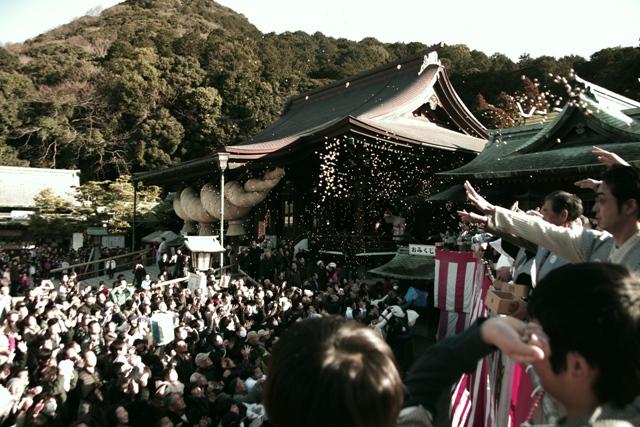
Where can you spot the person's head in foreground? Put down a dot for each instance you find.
(617, 205)
(332, 372)
(561, 208)
(590, 314)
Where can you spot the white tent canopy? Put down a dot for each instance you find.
(157, 236)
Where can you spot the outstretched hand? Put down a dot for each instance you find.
(608, 158)
(588, 183)
(471, 217)
(478, 201)
(535, 212)
(522, 342)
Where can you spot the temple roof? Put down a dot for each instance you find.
(20, 185)
(407, 101)
(404, 266)
(563, 145)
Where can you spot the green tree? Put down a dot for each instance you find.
(9, 156)
(200, 113)
(110, 203)
(15, 89)
(156, 141)
(494, 117)
(501, 63)
(152, 82)
(135, 85)
(615, 68)
(8, 61)
(52, 64)
(180, 74)
(54, 217)
(458, 58)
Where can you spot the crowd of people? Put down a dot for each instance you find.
(73, 354)
(580, 330)
(26, 267)
(267, 347)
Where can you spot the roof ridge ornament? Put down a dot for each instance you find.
(430, 58)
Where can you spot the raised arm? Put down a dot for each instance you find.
(442, 364)
(608, 158)
(565, 242)
(605, 157)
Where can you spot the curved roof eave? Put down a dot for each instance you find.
(372, 102)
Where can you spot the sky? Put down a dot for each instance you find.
(511, 27)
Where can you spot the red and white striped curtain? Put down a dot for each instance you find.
(498, 392)
(456, 277)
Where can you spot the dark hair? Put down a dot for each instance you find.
(561, 200)
(332, 372)
(117, 345)
(594, 309)
(624, 183)
(112, 417)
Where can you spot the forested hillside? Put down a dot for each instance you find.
(149, 83)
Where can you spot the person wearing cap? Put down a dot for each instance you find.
(263, 335)
(205, 366)
(322, 276)
(252, 338)
(334, 274)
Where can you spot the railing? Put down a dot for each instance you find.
(173, 281)
(186, 278)
(249, 278)
(132, 257)
(350, 244)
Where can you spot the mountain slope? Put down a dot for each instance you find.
(148, 83)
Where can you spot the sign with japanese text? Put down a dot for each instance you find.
(423, 250)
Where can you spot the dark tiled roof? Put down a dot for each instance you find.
(534, 149)
(379, 103)
(605, 95)
(19, 185)
(384, 99)
(407, 267)
(568, 160)
(455, 193)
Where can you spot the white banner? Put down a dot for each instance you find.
(422, 250)
(113, 241)
(162, 328)
(78, 241)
